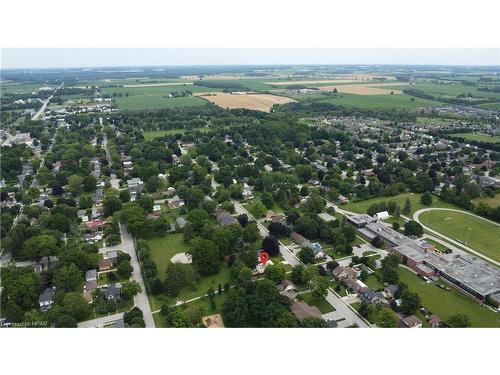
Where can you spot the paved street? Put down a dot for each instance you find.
(100, 322)
(141, 299)
(343, 310)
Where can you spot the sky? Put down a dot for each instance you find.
(101, 57)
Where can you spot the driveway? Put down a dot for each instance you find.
(343, 310)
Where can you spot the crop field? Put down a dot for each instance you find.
(20, 88)
(481, 235)
(450, 90)
(444, 303)
(365, 89)
(478, 137)
(258, 102)
(156, 102)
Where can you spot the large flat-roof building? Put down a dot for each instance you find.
(470, 273)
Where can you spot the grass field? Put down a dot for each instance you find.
(161, 133)
(478, 137)
(444, 303)
(138, 102)
(493, 202)
(449, 90)
(373, 283)
(398, 101)
(164, 248)
(482, 236)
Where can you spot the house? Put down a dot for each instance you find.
(390, 291)
(90, 285)
(382, 215)
(342, 273)
(369, 296)
(302, 310)
(213, 321)
(410, 322)
(247, 193)
(287, 288)
(156, 208)
(104, 264)
(113, 292)
(180, 222)
(434, 321)
(94, 224)
(175, 202)
(224, 218)
(91, 275)
(355, 286)
(113, 254)
(87, 296)
(46, 299)
(342, 200)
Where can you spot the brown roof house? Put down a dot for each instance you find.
(213, 321)
(287, 289)
(410, 322)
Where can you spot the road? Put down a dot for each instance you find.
(115, 182)
(45, 104)
(141, 299)
(416, 215)
(342, 307)
(285, 252)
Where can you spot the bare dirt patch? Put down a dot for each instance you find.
(258, 102)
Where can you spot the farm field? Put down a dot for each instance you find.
(138, 102)
(444, 303)
(365, 89)
(493, 202)
(401, 101)
(482, 236)
(20, 88)
(259, 102)
(450, 90)
(477, 137)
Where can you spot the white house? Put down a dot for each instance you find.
(382, 215)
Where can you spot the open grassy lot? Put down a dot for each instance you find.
(138, 102)
(322, 305)
(444, 303)
(164, 248)
(20, 88)
(493, 202)
(373, 283)
(482, 235)
(477, 137)
(161, 133)
(204, 303)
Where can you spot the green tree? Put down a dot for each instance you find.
(457, 320)
(407, 207)
(313, 322)
(89, 184)
(75, 184)
(21, 286)
(319, 287)
(205, 256)
(275, 273)
(76, 306)
(306, 255)
(40, 246)
(130, 289)
(410, 302)
(124, 270)
(412, 228)
(68, 279)
(386, 318)
(426, 198)
(251, 233)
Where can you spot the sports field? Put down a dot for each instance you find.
(479, 137)
(444, 303)
(480, 235)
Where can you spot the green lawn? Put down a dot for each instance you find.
(479, 137)
(164, 248)
(322, 305)
(373, 283)
(444, 303)
(397, 101)
(138, 102)
(476, 233)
